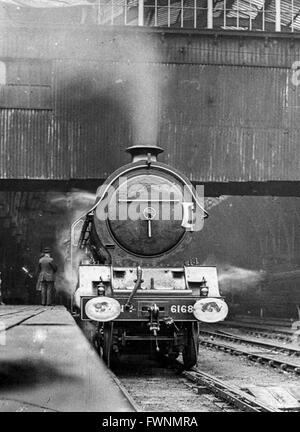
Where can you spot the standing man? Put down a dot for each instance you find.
(47, 270)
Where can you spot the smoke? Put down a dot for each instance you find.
(125, 86)
(141, 81)
(143, 99)
(237, 279)
(75, 198)
(210, 202)
(67, 278)
(71, 206)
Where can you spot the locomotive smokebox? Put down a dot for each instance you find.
(143, 152)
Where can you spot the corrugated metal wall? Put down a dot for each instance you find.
(224, 107)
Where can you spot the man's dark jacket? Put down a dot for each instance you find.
(47, 269)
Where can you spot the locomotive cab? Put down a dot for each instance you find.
(136, 282)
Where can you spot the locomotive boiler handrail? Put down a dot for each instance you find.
(84, 228)
(132, 168)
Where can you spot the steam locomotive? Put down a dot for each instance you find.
(136, 281)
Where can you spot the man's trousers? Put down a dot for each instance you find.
(47, 293)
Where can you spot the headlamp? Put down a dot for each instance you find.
(102, 309)
(210, 310)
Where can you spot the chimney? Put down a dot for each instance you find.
(141, 152)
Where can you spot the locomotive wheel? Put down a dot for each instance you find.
(190, 351)
(103, 342)
(107, 342)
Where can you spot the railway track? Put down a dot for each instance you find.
(291, 351)
(163, 389)
(231, 394)
(268, 331)
(269, 358)
(172, 389)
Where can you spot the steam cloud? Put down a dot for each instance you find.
(130, 80)
(234, 279)
(73, 205)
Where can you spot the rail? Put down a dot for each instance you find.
(228, 392)
(241, 339)
(262, 358)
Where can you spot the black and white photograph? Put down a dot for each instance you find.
(149, 210)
